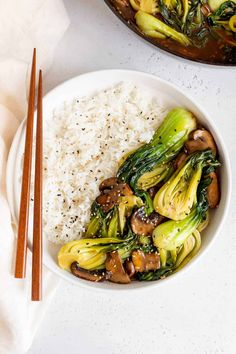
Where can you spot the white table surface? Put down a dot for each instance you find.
(195, 314)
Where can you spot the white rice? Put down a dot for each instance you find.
(84, 141)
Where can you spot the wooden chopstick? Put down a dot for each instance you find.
(36, 293)
(21, 251)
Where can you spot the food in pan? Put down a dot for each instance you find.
(197, 29)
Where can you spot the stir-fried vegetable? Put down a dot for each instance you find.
(215, 4)
(185, 17)
(206, 27)
(102, 224)
(174, 12)
(125, 237)
(186, 8)
(154, 27)
(113, 228)
(91, 254)
(223, 14)
(204, 222)
(126, 205)
(155, 275)
(232, 23)
(173, 261)
(167, 141)
(112, 224)
(149, 6)
(170, 236)
(176, 197)
(190, 248)
(152, 178)
(96, 221)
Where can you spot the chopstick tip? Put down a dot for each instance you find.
(34, 54)
(34, 61)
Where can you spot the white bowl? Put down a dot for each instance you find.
(171, 96)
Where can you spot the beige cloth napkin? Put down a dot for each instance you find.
(25, 24)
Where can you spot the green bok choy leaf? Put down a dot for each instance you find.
(177, 196)
(167, 141)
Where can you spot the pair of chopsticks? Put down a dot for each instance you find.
(21, 253)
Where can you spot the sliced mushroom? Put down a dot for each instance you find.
(109, 199)
(155, 219)
(139, 261)
(142, 224)
(108, 183)
(213, 191)
(152, 191)
(115, 269)
(179, 160)
(125, 189)
(152, 261)
(200, 140)
(86, 274)
(129, 267)
(144, 262)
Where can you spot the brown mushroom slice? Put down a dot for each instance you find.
(153, 191)
(108, 183)
(124, 189)
(111, 198)
(155, 219)
(142, 224)
(213, 191)
(152, 261)
(87, 274)
(139, 261)
(129, 268)
(179, 160)
(115, 269)
(108, 200)
(200, 140)
(144, 262)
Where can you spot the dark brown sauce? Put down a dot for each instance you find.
(214, 51)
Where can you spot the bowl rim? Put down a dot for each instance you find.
(225, 158)
(165, 50)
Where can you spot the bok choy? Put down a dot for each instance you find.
(153, 27)
(177, 196)
(166, 143)
(91, 254)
